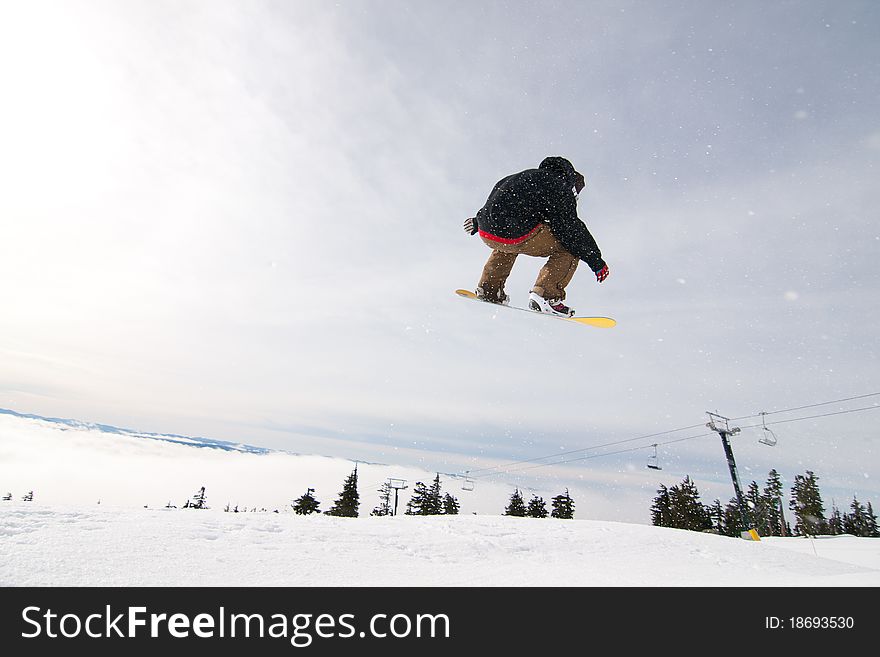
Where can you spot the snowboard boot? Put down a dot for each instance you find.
(549, 306)
(499, 297)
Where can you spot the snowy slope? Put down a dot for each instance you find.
(69, 545)
(98, 518)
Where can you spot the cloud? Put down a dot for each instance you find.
(85, 466)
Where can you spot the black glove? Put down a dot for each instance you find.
(470, 225)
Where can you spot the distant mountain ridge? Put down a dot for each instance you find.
(170, 438)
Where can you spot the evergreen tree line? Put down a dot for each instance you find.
(234, 509)
(200, 501)
(562, 505)
(425, 501)
(680, 507)
(345, 506)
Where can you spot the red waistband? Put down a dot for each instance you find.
(509, 240)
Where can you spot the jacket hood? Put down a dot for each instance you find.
(560, 165)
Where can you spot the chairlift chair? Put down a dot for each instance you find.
(468, 483)
(653, 462)
(767, 437)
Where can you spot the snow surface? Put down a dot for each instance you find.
(79, 546)
(98, 518)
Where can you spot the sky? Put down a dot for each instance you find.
(243, 221)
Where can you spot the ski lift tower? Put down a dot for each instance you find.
(396, 484)
(721, 425)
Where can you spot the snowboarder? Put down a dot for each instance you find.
(534, 212)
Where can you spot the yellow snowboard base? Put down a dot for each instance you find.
(599, 322)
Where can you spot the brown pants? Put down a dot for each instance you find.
(554, 275)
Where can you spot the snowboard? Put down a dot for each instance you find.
(599, 322)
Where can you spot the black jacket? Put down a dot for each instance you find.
(521, 201)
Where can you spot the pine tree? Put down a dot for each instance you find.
(661, 512)
(199, 500)
(835, 522)
(855, 523)
(732, 518)
(716, 516)
(807, 505)
(516, 507)
(563, 506)
(686, 509)
(772, 498)
(305, 504)
(537, 508)
(384, 508)
(757, 509)
(450, 505)
(28, 497)
(416, 500)
(346, 506)
(433, 503)
(427, 501)
(871, 523)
